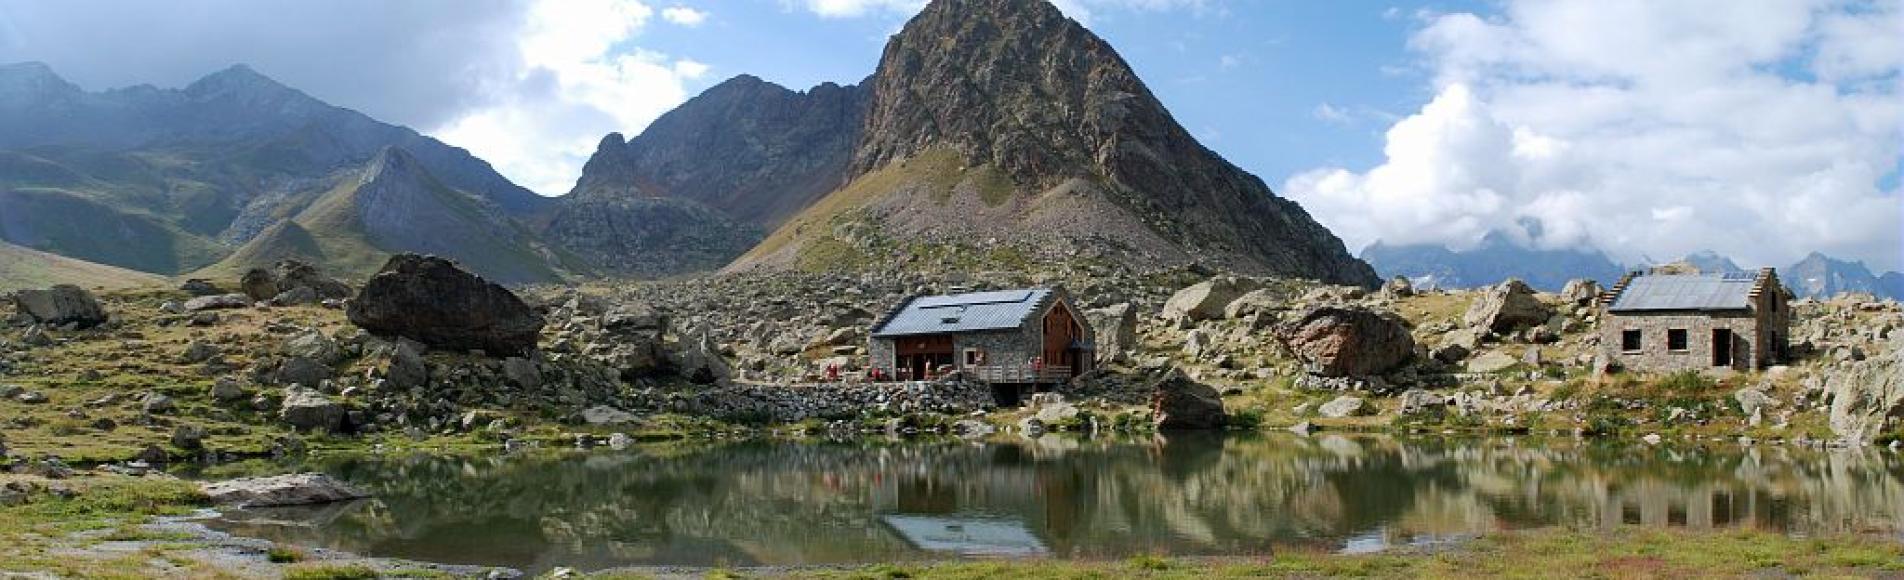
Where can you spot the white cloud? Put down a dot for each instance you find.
(684, 16)
(1645, 128)
(578, 78)
(1332, 114)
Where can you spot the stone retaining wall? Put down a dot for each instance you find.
(829, 401)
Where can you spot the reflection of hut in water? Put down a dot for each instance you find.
(966, 536)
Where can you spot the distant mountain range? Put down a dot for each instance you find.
(235, 170)
(994, 134)
(1498, 258)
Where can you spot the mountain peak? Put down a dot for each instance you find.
(32, 80)
(238, 79)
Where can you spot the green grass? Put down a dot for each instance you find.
(329, 572)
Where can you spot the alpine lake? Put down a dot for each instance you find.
(767, 503)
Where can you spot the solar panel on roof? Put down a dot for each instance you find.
(1686, 292)
(977, 311)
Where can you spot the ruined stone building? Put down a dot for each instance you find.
(1703, 322)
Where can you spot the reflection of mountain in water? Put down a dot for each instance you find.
(775, 504)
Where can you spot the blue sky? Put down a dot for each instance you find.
(1764, 130)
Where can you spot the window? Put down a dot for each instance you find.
(1630, 341)
(974, 357)
(1676, 339)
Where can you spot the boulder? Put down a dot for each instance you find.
(61, 305)
(1115, 327)
(1492, 361)
(298, 296)
(1255, 303)
(605, 415)
(280, 490)
(1580, 292)
(188, 437)
(1398, 287)
(226, 390)
(1336, 341)
(302, 371)
(700, 360)
(1206, 300)
(157, 403)
(1417, 401)
(201, 287)
(1178, 403)
(1505, 307)
(309, 410)
(406, 368)
(293, 275)
(199, 351)
(218, 302)
(1344, 407)
(1196, 343)
(432, 301)
(314, 345)
(259, 285)
(1753, 400)
(1866, 394)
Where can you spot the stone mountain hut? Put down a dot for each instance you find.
(1014, 339)
(1701, 322)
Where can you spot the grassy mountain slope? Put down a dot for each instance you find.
(29, 268)
(395, 205)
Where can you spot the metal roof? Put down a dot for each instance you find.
(1686, 292)
(972, 312)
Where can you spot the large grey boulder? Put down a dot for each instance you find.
(700, 362)
(1206, 300)
(309, 410)
(1178, 403)
(280, 490)
(432, 301)
(1116, 330)
(1503, 308)
(1344, 407)
(1334, 341)
(1867, 394)
(59, 305)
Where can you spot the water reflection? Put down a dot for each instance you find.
(783, 504)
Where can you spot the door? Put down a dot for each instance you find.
(1722, 347)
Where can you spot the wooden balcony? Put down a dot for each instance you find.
(1022, 374)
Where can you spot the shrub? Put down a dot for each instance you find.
(284, 555)
(1684, 383)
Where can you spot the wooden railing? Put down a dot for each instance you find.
(1020, 374)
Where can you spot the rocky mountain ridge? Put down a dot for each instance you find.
(997, 132)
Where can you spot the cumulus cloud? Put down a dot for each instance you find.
(1649, 129)
(529, 85)
(684, 16)
(578, 77)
